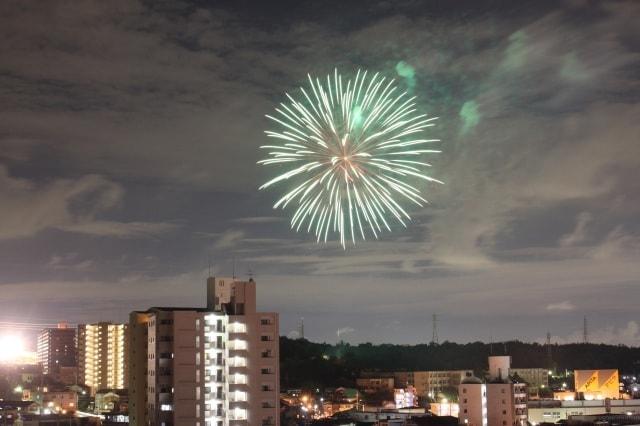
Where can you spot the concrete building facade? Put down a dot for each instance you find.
(552, 411)
(213, 366)
(103, 356)
(501, 401)
(56, 347)
(537, 379)
(507, 404)
(472, 402)
(372, 385)
(432, 384)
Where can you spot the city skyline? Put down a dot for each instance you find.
(129, 137)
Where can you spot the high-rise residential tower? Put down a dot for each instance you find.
(103, 356)
(56, 348)
(213, 366)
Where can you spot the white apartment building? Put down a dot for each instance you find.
(214, 366)
(102, 356)
(499, 402)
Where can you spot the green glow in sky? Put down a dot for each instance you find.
(572, 69)
(515, 56)
(407, 72)
(470, 116)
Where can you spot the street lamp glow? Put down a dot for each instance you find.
(11, 348)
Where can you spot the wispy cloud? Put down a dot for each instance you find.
(561, 306)
(343, 331)
(69, 205)
(628, 335)
(106, 228)
(258, 220)
(229, 239)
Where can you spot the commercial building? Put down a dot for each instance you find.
(597, 384)
(103, 356)
(552, 411)
(213, 366)
(56, 348)
(501, 401)
(432, 384)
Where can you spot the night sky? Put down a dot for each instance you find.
(129, 135)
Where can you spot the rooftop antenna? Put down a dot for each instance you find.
(250, 273)
(491, 344)
(434, 331)
(234, 267)
(209, 262)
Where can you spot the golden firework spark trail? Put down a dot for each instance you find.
(352, 148)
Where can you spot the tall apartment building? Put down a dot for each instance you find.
(56, 348)
(213, 366)
(499, 402)
(103, 356)
(430, 384)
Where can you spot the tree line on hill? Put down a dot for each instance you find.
(308, 365)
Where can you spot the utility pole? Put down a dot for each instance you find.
(585, 334)
(549, 358)
(301, 328)
(434, 332)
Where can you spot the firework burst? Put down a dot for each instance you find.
(354, 154)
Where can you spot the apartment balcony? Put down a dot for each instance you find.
(237, 328)
(237, 414)
(238, 379)
(237, 361)
(214, 379)
(214, 345)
